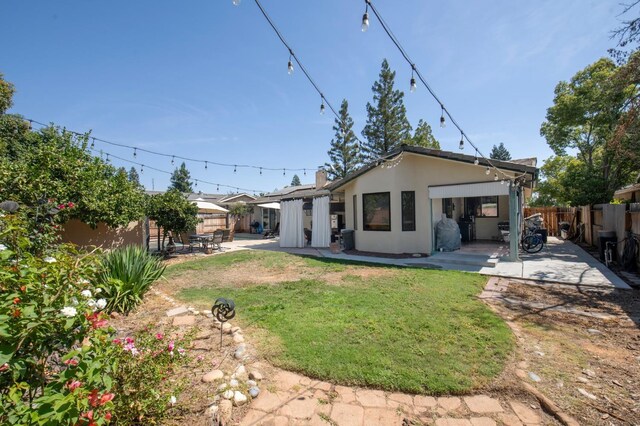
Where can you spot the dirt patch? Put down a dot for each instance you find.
(384, 255)
(589, 366)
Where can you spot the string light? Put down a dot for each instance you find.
(236, 2)
(205, 165)
(502, 182)
(173, 158)
(235, 168)
(461, 146)
(412, 84)
(196, 182)
(218, 188)
(107, 157)
(135, 153)
(475, 160)
(305, 171)
(495, 176)
(260, 171)
(283, 172)
(487, 171)
(443, 122)
(322, 107)
(142, 169)
(93, 142)
(290, 64)
(365, 18)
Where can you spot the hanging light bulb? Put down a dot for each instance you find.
(412, 84)
(236, 2)
(475, 160)
(502, 182)
(260, 171)
(461, 146)
(142, 168)
(365, 19)
(107, 157)
(173, 158)
(322, 107)
(93, 142)
(135, 153)
(304, 171)
(284, 172)
(443, 122)
(205, 165)
(495, 176)
(487, 171)
(290, 64)
(234, 168)
(196, 182)
(218, 188)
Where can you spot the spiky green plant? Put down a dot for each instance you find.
(127, 275)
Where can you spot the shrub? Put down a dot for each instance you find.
(127, 275)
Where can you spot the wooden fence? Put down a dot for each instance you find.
(553, 216)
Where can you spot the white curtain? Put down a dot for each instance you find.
(291, 224)
(321, 232)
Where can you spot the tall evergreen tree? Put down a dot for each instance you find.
(181, 179)
(387, 125)
(424, 137)
(500, 152)
(344, 153)
(133, 175)
(296, 181)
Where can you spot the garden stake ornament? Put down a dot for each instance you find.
(223, 310)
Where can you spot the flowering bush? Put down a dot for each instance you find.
(58, 360)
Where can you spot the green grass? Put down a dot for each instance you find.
(412, 330)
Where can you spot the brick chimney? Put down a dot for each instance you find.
(321, 179)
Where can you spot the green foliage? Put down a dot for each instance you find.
(6, 94)
(126, 276)
(133, 176)
(181, 179)
(295, 181)
(344, 152)
(387, 125)
(173, 212)
(423, 136)
(380, 322)
(500, 152)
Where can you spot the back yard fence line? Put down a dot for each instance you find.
(586, 221)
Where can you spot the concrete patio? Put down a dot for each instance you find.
(558, 262)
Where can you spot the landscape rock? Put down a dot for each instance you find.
(589, 373)
(251, 383)
(534, 377)
(233, 383)
(593, 331)
(226, 327)
(255, 375)
(224, 411)
(587, 394)
(181, 310)
(212, 376)
(184, 320)
(228, 394)
(254, 391)
(238, 338)
(239, 353)
(222, 387)
(235, 329)
(212, 410)
(583, 379)
(239, 398)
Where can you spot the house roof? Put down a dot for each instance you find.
(629, 188)
(231, 197)
(287, 192)
(515, 165)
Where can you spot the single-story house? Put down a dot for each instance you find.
(630, 193)
(394, 204)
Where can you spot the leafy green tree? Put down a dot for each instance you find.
(173, 212)
(133, 176)
(387, 125)
(344, 152)
(583, 119)
(423, 136)
(296, 181)
(181, 179)
(6, 94)
(500, 152)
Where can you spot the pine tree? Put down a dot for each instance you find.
(424, 137)
(181, 179)
(500, 153)
(387, 125)
(134, 176)
(296, 181)
(344, 153)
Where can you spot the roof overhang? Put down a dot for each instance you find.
(479, 189)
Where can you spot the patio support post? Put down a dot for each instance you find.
(513, 224)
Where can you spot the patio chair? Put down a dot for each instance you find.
(274, 233)
(216, 241)
(194, 241)
(225, 235)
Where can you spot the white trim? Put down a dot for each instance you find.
(481, 189)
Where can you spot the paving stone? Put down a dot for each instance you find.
(268, 401)
(300, 408)
(184, 320)
(381, 417)
(525, 414)
(286, 380)
(316, 420)
(509, 419)
(449, 403)
(371, 398)
(254, 417)
(181, 310)
(424, 401)
(347, 414)
(325, 386)
(345, 394)
(483, 404)
(482, 421)
(448, 421)
(402, 398)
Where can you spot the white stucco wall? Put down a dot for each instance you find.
(414, 173)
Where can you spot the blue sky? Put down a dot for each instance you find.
(207, 79)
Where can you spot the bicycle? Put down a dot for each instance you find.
(531, 241)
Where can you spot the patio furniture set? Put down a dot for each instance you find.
(208, 242)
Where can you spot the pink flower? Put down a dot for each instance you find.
(129, 340)
(159, 336)
(73, 385)
(70, 204)
(106, 398)
(171, 346)
(181, 351)
(107, 416)
(117, 341)
(199, 357)
(72, 362)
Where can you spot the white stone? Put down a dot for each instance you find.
(226, 327)
(254, 392)
(239, 398)
(587, 394)
(238, 338)
(212, 376)
(222, 387)
(534, 377)
(228, 394)
(181, 310)
(255, 375)
(233, 383)
(251, 383)
(212, 410)
(241, 370)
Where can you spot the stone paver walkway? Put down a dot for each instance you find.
(292, 399)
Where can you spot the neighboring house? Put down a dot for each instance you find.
(629, 193)
(266, 209)
(394, 205)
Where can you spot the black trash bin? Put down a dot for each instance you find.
(543, 233)
(603, 238)
(349, 239)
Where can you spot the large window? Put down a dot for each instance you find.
(376, 211)
(481, 206)
(408, 210)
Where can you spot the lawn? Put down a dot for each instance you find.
(404, 329)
